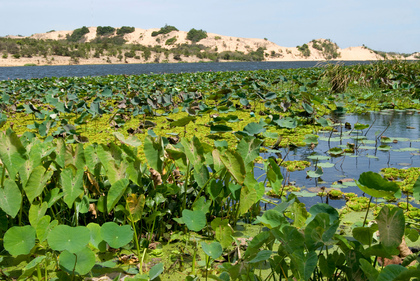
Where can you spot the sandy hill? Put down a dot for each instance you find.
(222, 43)
(315, 50)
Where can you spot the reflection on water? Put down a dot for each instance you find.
(402, 127)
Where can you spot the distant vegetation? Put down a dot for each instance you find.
(106, 46)
(196, 35)
(328, 48)
(164, 30)
(125, 30)
(304, 49)
(105, 30)
(77, 34)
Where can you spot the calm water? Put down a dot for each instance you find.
(397, 125)
(28, 72)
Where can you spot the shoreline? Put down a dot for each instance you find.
(35, 62)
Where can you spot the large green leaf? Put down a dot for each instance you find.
(391, 226)
(195, 220)
(73, 239)
(416, 189)
(81, 262)
(274, 175)
(254, 128)
(249, 149)
(75, 156)
(248, 198)
(323, 208)
(233, 163)
(37, 212)
(12, 152)
(116, 235)
(131, 140)
(364, 234)
(201, 175)
(72, 184)
(391, 273)
(375, 185)
(213, 250)
(19, 240)
(272, 218)
(369, 270)
(10, 198)
(135, 206)
(96, 239)
(303, 265)
(91, 157)
(36, 182)
(223, 232)
(155, 271)
(182, 122)
(154, 153)
(263, 255)
(115, 193)
(194, 151)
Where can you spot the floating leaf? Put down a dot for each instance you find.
(315, 174)
(219, 129)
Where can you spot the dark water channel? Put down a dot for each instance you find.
(401, 127)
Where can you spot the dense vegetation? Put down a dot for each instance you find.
(104, 46)
(104, 30)
(164, 30)
(328, 48)
(154, 174)
(196, 35)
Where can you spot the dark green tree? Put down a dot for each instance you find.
(195, 35)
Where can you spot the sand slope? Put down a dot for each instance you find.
(217, 42)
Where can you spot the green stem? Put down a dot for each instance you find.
(207, 182)
(3, 176)
(367, 211)
(184, 203)
(39, 272)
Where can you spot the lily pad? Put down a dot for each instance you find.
(315, 174)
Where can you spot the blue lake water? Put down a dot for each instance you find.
(401, 127)
(28, 72)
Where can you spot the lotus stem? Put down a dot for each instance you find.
(367, 211)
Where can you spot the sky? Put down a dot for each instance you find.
(383, 25)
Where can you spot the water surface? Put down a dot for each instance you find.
(28, 72)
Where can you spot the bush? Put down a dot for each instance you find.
(125, 30)
(304, 49)
(164, 30)
(77, 34)
(170, 41)
(104, 30)
(196, 35)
